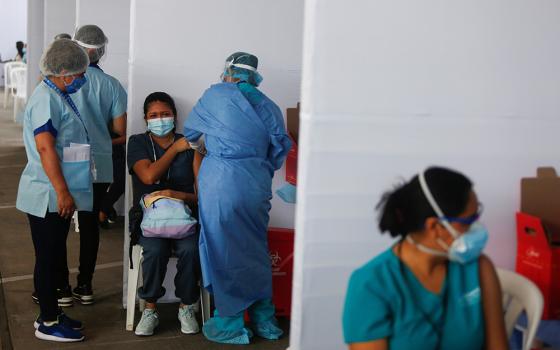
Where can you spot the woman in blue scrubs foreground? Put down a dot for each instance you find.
(55, 182)
(433, 289)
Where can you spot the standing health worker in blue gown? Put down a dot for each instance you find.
(246, 142)
(52, 185)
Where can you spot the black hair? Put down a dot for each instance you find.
(406, 208)
(19, 47)
(161, 97)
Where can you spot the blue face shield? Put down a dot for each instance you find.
(161, 126)
(76, 84)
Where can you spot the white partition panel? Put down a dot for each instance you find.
(180, 47)
(35, 42)
(113, 17)
(60, 17)
(391, 87)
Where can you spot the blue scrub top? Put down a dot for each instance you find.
(381, 302)
(99, 101)
(36, 194)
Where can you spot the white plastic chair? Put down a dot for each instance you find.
(135, 274)
(76, 223)
(18, 77)
(521, 294)
(8, 85)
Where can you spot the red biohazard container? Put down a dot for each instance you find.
(291, 164)
(293, 130)
(538, 259)
(281, 248)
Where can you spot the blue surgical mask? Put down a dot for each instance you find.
(469, 245)
(161, 126)
(465, 248)
(76, 84)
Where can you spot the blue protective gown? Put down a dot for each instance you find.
(246, 141)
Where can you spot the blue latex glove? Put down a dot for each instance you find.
(287, 193)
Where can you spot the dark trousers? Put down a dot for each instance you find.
(51, 271)
(89, 235)
(116, 189)
(156, 254)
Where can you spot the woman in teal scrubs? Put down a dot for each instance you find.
(426, 291)
(56, 180)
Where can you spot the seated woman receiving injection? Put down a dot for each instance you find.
(163, 165)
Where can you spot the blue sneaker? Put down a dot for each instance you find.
(63, 319)
(59, 333)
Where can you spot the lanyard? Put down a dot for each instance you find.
(155, 157)
(68, 100)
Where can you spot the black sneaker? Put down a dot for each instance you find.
(64, 297)
(112, 217)
(106, 225)
(84, 294)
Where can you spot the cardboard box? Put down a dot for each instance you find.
(538, 237)
(293, 131)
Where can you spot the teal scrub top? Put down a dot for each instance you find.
(381, 302)
(36, 194)
(100, 100)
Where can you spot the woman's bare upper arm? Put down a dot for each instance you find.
(141, 169)
(491, 292)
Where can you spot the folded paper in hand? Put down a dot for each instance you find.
(77, 152)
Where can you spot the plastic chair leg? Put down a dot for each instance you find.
(204, 303)
(6, 92)
(141, 304)
(16, 108)
(76, 223)
(132, 287)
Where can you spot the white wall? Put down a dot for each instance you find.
(392, 87)
(13, 26)
(182, 51)
(113, 17)
(60, 17)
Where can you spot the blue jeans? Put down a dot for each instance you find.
(156, 254)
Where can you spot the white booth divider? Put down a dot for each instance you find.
(391, 87)
(113, 17)
(180, 47)
(60, 17)
(35, 42)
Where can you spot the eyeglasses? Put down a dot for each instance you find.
(468, 220)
